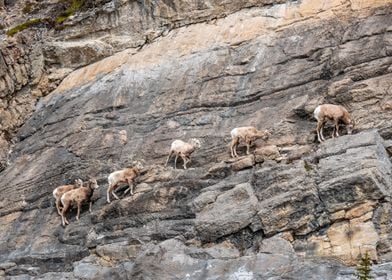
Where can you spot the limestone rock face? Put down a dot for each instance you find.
(230, 212)
(120, 80)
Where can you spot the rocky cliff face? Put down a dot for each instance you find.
(119, 80)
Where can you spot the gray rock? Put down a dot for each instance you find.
(7, 265)
(357, 167)
(288, 199)
(230, 212)
(90, 271)
(119, 80)
(243, 163)
(119, 250)
(275, 245)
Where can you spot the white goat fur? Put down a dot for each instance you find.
(248, 134)
(183, 149)
(334, 113)
(60, 190)
(126, 175)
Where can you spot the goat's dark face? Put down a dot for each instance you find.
(93, 184)
(78, 182)
(138, 165)
(265, 135)
(350, 127)
(195, 143)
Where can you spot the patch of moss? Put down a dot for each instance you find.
(75, 6)
(307, 166)
(28, 7)
(23, 26)
(60, 19)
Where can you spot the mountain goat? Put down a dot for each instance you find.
(184, 150)
(248, 134)
(59, 191)
(78, 196)
(126, 175)
(334, 113)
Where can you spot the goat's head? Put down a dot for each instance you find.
(195, 143)
(78, 183)
(264, 134)
(138, 165)
(92, 183)
(350, 126)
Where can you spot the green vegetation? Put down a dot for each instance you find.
(71, 6)
(75, 6)
(28, 8)
(23, 26)
(364, 268)
(308, 167)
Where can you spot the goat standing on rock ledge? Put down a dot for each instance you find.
(334, 113)
(248, 134)
(59, 191)
(78, 196)
(126, 175)
(184, 150)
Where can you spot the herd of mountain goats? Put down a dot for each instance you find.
(81, 192)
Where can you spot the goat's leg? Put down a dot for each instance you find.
(320, 125)
(130, 188)
(235, 149)
(90, 205)
(184, 160)
(334, 128)
(337, 127)
(168, 158)
(322, 130)
(111, 189)
(63, 218)
(114, 194)
(58, 207)
(232, 144)
(235, 145)
(322, 134)
(78, 213)
(175, 162)
(108, 194)
(248, 144)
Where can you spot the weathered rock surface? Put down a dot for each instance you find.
(137, 75)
